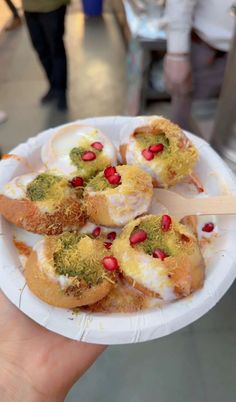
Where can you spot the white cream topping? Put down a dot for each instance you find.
(56, 152)
(47, 268)
(134, 157)
(16, 188)
(123, 208)
(152, 276)
(89, 227)
(128, 129)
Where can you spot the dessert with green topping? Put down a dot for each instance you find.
(90, 167)
(160, 257)
(70, 270)
(173, 242)
(78, 255)
(44, 186)
(162, 149)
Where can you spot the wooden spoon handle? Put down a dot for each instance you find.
(219, 205)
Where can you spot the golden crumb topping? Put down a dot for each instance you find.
(78, 255)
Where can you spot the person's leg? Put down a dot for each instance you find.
(181, 110)
(39, 42)
(53, 26)
(208, 70)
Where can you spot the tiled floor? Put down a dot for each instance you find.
(196, 364)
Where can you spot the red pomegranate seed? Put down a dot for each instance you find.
(88, 156)
(156, 148)
(111, 236)
(148, 155)
(110, 263)
(107, 244)
(96, 232)
(138, 236)
(165, 223)
(109, 171)
(97, 145)
(77, 181)
(114, 179)
(208, 227)
(158, 253)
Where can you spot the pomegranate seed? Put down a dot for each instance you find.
(165, 223)
(109, 171)
(156, 148)
(148, 155)
(110, 263)
(208, 227)
(88, 156)
(158, 253)
(96, 232)
(111, 236)
(107, 244)
(114, 179)
(97, 145)
(77, 181)
(138, 236)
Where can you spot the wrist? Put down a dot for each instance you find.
(15, 388)
(178, 41)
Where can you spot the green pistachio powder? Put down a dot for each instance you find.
(175, 163)
(100, 183)
(42, 186)
(69, 261)
(145, 140)
(171, 242)
(46, 186)
(90, 168)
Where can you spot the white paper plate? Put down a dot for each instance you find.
(124, 328)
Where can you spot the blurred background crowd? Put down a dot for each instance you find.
(62, 60)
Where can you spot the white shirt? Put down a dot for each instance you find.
(211, 20)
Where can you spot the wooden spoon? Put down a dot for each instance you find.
(180, 206)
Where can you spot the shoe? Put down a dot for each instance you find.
(3, 116)
(48, 97)
(16, 22)
(62, 102)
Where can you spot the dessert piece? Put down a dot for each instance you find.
(160, 257)
(42, 203)
(104, 233)
(160, 148)
(117, 195)
(76, 150)
(70, 270)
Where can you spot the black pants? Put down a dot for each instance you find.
(12, 8)
(46, 32)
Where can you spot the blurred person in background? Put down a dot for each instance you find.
(199, 34)
(45, 21)
(16, 20)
